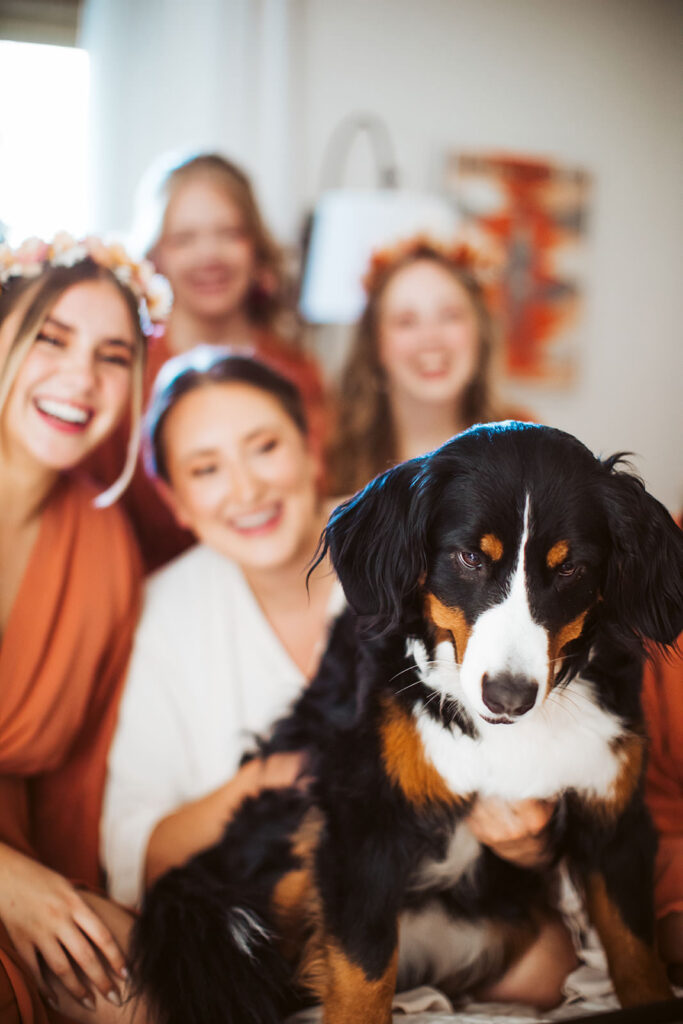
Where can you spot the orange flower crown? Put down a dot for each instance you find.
(33, 256)
(482, 264)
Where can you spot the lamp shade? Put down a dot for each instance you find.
(348, 226)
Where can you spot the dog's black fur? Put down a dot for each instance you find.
(306, 894)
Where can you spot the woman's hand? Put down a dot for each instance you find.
(47, 920)
(200, 823)
(275, 772)
(514, 831)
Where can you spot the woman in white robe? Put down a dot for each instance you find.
(229, 632)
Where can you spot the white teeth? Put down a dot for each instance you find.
(256, 519)
(62, 411)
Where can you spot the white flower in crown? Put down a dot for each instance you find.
(65, 251)
(124, 273)
(159, 297)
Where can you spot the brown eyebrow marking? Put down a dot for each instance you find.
(557, 554)
(570, 631)
(491, 546)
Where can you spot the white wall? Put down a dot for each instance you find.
(596, 83)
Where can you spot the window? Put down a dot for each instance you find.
(43, 140)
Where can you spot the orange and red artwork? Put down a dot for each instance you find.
(535, 212)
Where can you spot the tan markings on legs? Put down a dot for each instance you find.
(631, 752)
(491, 546)
(637, 973)
(295, 902)
(557, 554)
(405, 761)
(453, 621)
(350, 996)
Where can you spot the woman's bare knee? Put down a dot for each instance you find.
(538, 976)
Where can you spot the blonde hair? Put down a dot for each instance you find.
(40, 294)
(364, 442)
(268, 298)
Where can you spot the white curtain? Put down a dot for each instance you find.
(182, 74)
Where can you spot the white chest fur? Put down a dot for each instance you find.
(564, 744)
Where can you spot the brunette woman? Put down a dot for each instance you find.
(232, 629)
(420, 365)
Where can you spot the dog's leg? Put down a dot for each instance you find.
(637, 972)
(350, 995)
(360, 879)
(618, 869)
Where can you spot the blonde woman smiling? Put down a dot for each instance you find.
(71, 361)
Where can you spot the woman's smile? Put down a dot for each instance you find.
(259, 522)
(64, 415)
(211, 278)
(434, 363)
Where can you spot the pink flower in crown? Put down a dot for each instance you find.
(145, 274)
(6, 259)
(28, 259)
(97, 250)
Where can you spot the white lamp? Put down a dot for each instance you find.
(349, 224)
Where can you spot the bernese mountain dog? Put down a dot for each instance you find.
(500, 588)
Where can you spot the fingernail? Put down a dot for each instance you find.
(114, 997)
(88, 1002)
(124, 973)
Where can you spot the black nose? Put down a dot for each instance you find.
(508, 694)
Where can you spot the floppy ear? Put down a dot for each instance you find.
(644, 587)
(377, 542)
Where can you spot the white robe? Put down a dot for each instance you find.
(206, 673)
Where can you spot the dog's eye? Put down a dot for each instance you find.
(470, 559)
(566, 569)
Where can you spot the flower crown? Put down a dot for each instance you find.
(482, 263)
(152, 291)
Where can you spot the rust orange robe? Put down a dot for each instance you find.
(62, 665)
(159, 536)
(663, 706)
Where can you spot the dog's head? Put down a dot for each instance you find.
(503, 549)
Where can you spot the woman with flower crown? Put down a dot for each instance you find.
(71, 362)
(419, 367)
(205, 233)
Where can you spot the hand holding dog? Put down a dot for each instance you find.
(200, 823)
(46, 918)
(514, 831)
(275, 772)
